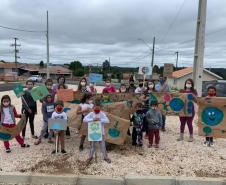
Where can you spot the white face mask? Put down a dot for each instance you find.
(83, 83)
(108, 84)
(153, 108)
(151, 86)
(188, 86)
(90, 101)
(91, 85)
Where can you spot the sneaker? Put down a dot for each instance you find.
(211, 144)
(181, 137)
(68, 136)
(146, 136)
(206, 143)
(157, 146)
(8, 150)
(81, 148)
(89, 160)
(107, 160)
(63, 151)
(25, 146)
(34, 137)
(150, 145)
(50, 141)
(163, 129)
(37, 142)
(54, 151)
(190, 139)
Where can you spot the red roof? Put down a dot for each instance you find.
(182, 72)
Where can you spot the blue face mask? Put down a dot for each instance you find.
(162, 81)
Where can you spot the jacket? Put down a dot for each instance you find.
(29, 103)
(13, 113)
(154, 119)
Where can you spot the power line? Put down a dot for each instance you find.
(173, 22)
(22, 30)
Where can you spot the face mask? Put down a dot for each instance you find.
(6, 104)
(49, 86)
(108, 84)
(123, 90)
(140, 85)
(153, 108)
(83, 83)
(131, 84)
(97, 111)
(151, 86)
(212, 94)
(188, 86)
(90, 101)
(59, 108)
(162, 81)
(91, 85)
(61, 81)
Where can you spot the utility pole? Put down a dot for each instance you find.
(177, 53)
(199, 46)
(15, 52)
(153, 55)
(47, 46)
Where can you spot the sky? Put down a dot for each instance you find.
(92, 31)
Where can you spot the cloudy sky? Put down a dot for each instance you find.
(94, 30)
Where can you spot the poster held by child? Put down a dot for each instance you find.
(98, 116)
(60, 117)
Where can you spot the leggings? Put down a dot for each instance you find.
(188, 121)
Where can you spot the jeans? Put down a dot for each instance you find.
(31, 117)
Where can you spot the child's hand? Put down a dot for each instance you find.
(30, 111)
(96, 119)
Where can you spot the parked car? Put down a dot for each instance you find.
(35, 78)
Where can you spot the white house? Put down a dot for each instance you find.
(179, 77)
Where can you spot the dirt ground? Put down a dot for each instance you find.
(171, 159)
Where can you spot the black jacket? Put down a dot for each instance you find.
(28, 103)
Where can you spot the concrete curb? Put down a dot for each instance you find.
(33, 178)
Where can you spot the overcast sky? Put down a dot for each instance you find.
(94, 30)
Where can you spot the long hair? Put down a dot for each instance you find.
(85, 97)
(58, 79)
(192, 84)
(153, 86)
(79, 85)
(3, 98)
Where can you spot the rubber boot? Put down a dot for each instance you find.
(181, 137)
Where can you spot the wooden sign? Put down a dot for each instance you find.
(7, 134)
(65, 95)
(212, 121)
(168, 70)
(116, 130)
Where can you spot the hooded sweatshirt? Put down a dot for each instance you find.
(47, 109)
(154, 119)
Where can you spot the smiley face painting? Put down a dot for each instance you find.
(212, 116)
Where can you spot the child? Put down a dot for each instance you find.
(122, 88)
(97, 115)
(154, 120)
(7, 116)
(109, 88)
(85, 106)
(211, 93)
(92, 88)
(47, 111)
(60, 114)
(62, 86)
(29, 108)
(137, 120)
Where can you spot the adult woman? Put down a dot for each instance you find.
(82, 86)
(188, 88)
(60, 81)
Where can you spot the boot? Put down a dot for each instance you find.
(181, 137)
(190, 138)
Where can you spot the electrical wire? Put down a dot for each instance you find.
(22, 30)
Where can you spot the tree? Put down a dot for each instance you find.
(41, 64)
(106, 65)
(156, 69)
(77, 68)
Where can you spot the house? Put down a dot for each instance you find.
(56, 71)
(179, 77)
